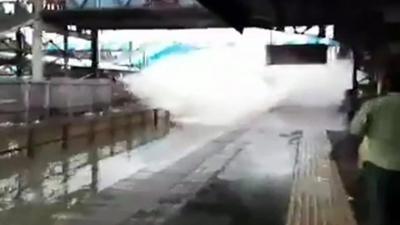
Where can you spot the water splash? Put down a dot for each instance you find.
(222, 85)
(213, 86)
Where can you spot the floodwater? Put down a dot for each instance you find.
(33, 191)
(55, 183)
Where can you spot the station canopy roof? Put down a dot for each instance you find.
(277, 13)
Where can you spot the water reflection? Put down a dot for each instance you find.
(57, 180)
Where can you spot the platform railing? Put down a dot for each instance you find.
(26, 102)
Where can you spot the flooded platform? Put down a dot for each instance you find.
(26, 137)
(58, 176)
(273, 169)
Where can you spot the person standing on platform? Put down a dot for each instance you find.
(378, 122)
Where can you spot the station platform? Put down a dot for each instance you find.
(273, 169)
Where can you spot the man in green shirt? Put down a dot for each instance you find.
(378, 122)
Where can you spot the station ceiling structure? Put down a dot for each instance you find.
(360, 23)
(363, 24)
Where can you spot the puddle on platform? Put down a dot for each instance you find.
(55, 184)
(34, 191)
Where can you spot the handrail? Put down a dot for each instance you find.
(86, 76)
(56, 5)
(63, 51)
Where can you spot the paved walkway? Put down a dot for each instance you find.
(273, 170)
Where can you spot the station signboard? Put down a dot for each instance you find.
(296, 54)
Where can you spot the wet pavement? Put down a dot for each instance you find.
(196, 175)
(255, 187)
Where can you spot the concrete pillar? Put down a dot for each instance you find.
(95, 52)
(37, 53)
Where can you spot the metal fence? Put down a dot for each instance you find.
(22, 101)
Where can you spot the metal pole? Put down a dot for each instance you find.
(27, 91)
(94, 161)
(130, 54)
(379, 90)
(355, 68)
(321, 31)
(95, 51)
(19, 56)
(47, 97)
(65, 53)
(37, 53)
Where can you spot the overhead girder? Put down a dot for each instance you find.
(361, 23)
(294, 12)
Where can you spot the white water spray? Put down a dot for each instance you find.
(222, 85)
(212, 86)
